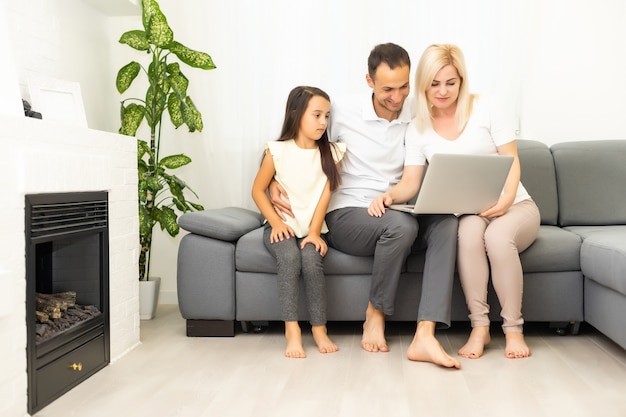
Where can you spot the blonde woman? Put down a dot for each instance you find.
(451, 120)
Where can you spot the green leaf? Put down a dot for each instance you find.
(156, 95)
(174, 161)
(168, 221)
(174, 110)
(158, 32)
(199, 207)
(132, 116)
(146, 222)
(135, 39)
(126, 75)
(191, 115)
(178, 83)
(192, 58)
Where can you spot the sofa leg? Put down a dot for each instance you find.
(210, 328)
(562, 328)
(254, 326)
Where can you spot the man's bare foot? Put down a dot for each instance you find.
(374, 331)
(426, 348)
(294, 340)
(516, 346)
(475, 345)
(323, 342)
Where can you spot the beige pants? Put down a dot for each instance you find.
(497, 243)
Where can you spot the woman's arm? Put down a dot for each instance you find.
(510, 185)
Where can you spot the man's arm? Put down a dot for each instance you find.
(275, 191)
(402, 192)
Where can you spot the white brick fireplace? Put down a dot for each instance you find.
(45, 157)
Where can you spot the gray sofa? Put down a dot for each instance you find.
(574, 272)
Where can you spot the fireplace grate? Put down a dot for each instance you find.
(57, 219)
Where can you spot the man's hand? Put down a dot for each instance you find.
(280, 205)
(379, 204)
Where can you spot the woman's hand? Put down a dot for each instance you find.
(379, 205)
(317, 241)
(498, 209)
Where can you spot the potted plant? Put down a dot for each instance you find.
(162, 195)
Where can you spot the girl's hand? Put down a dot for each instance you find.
(379, 204)
(280, 233)
(317, 241)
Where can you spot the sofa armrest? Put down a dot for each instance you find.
(228, 223)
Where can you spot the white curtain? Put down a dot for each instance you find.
(262, 49)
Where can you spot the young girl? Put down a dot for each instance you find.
(304, 163)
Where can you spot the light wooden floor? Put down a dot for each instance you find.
(173, 375)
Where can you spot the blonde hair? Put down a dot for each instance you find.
(434, 58)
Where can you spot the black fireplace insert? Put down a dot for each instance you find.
(67, 292)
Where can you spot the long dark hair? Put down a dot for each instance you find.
(297, 103)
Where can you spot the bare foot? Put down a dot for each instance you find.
(374, 331)
(294, 340)
(323, 342)
(426, 348)
(478, 339)
(516, 346)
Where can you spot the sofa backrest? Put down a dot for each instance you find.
(591, 182)
(539, 178)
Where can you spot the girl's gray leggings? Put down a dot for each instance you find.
(291, 263)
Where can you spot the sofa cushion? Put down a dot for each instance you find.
(590, 179)
(251, 256)
(554, 250)
(228, 223)
(603, 257)
(539, 178)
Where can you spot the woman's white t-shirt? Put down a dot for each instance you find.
(484, 132)
(299, 172)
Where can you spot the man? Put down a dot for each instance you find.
(373, 128)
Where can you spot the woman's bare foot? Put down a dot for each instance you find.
(475, 345)
(516, 346)
(323, 342)
(426, 348)
(374, 331)
(294, 340)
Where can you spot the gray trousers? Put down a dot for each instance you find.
(291, 261)
(390, 239)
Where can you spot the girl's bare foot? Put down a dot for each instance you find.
(426, 348)
(323, 342)
(374, 331)
(475, 345)
(294, 340)
(516, 346)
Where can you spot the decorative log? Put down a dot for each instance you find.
(41, 316)
(54, 305)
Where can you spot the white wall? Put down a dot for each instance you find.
(558, 63)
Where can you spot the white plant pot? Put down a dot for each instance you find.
(149, 297)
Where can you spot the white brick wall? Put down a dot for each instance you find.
(40, 157)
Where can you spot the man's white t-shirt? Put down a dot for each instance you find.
(374, 157)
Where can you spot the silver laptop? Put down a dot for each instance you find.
(460, 184)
